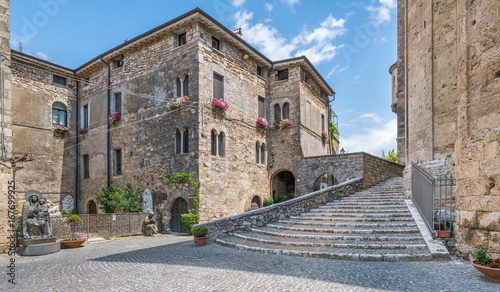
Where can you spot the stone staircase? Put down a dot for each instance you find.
(374, 224)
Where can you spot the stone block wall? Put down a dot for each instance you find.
(376, 170)
(294, 207)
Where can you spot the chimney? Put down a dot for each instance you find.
(237, 31)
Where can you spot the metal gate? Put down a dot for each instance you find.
(179, 207)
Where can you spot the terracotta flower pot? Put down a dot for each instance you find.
(72, 243)
(490, 273)
(443, 233)
(200, 241)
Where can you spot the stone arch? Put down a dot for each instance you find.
(256, 203)
(325, 180)
(326, 169)
(186, 193)
(179, 206)
(281, 182)
(92, 207)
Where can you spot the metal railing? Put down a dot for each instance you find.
(434, 199)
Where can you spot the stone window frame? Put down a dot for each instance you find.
(281, 107)
(59, 80)
(181, 86)
(260, 153)
(218, 143)
(181, 140)
(117, 161)
(215, 72)
(219, 43)
(85, 117)
(86, 166)
(113, 102)
(179, 37)
(259, 97)
(63, 108)
(280, 73)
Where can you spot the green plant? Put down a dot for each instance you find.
(69, 212)
(333, 131)
(112, 199)
(268, 202)
(391, 156)
(105, 234)
(480, 256)
(72, 221)
(316, 188)
(188, 220)
(189, 178)
(199, 231)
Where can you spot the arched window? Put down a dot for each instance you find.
(257, 152)
(59, 114)
(214, 143)
(182, 85)
(277, 112)
(262, 154)
(185, 85)
(220, 145)
(179, 87)
(286, 111)
(185, 140)
(178, 142)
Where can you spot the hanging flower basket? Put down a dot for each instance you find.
(262, 123)
(178, 102)
(325, 135)
(219, 103)
(114, 117)
(60, 129)
(83, 131)
(282, 124)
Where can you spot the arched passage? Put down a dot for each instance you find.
(282, 184)
(179, 207)
(255, 203)
(92, 207)
(323, 181)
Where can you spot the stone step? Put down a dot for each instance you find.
(366, 211)
(410, 237)
(354, 219)
(369, 200)
(367, 203)
(359, 214)
(352, 225)
(346, 230)
(364, 206)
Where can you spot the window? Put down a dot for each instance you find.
(262, 153)
(181, 39)
(86, 82)
(262, 107)
(215, 44)
(322, 122)
(185, 140)
(214, 143)
(118, 63)
(85, 117)
(86, 171)
(283, 74)
(59, 80)
(117, 103)
(286, 111)
(179, 87)
(59, 114)
(259, 71)
(277, 112)
(220, 144)
(178, 141)
(218, 86)
(257, 152)
(117, 161)
(182, 86)
(307, 78)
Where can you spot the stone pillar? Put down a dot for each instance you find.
(6, 116)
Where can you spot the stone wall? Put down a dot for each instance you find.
(6, 99)
(294, 207)
(376, 170)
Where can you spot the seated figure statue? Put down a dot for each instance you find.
(150, 225)
(36, 220)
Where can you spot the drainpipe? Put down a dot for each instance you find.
(108, 124)
(77, 156)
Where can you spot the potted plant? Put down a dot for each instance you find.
(199, 234)
(60, 129)
(83, 131)
(73, 241)
(485, 264)
(324, 134)
(220, 103)
(262, 123)
(114, 117)
(178, 102)
(281, 124)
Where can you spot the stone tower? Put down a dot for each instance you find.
(5, 120)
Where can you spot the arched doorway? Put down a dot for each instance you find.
(179, 207)
(283, 184)
(323, 181)
(255, 203)
(92, 207)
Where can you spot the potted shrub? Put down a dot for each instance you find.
(72, 241)
(262, 123)
(324, 134)
(60, 129)
(282, 124)
(83, 131)
(114, 117)
(485, 264)
(199, 234)
(219, 103)
(178, 102)
(188, 220)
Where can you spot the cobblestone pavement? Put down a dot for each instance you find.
(174, 263)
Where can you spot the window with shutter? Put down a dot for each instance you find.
(218, 86)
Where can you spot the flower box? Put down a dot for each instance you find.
(325, 135)
(114, 117)
(219, 103)
(178, 102)
(282, 124)
(60, 129)
(83, 131)
(262, 123)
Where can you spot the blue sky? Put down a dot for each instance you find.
(351, 43)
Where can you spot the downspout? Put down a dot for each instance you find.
(108, 124)
(77, 156)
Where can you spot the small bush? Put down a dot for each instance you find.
(75, 219)
(268, 202)
(188, 220)
(316, 188)
(199, 231)
(480, 256)
(69, 212)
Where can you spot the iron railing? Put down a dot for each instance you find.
(434, 199)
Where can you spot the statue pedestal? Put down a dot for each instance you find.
(39, 246)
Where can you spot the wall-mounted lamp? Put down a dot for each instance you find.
(245, 56)
(342, 151)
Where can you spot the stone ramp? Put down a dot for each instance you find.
(374, 224)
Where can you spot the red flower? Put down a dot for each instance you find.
(111, 198)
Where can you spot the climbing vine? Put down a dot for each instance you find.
(189, 178)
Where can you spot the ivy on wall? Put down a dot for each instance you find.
(189, 178)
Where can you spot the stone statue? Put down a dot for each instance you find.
(147, 201)
(36, 219)
(150, 225)
(68, 203)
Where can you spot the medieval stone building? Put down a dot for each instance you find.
(237, 163)
(446, 93)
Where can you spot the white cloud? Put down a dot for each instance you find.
(331, 72)
(42, 55)
(237, 3)
(268, 6)
(343, 69)
(316, 44)
(290, 3)
(382, 13)
(372, 140)
(370, 116)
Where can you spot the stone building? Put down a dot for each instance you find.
(446, 93)
(237, 163)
